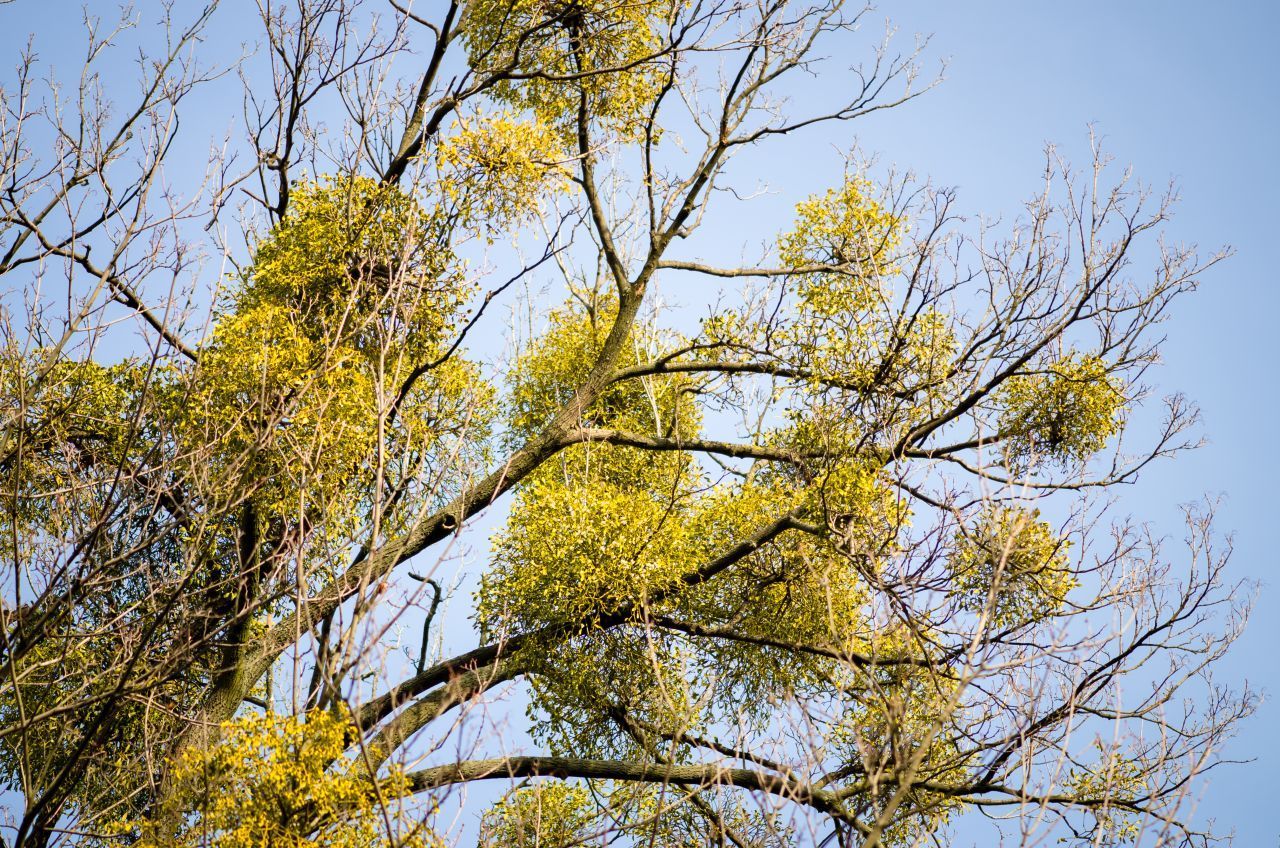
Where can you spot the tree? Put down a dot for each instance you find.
(828, 566)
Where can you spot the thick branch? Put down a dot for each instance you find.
(783, 785)
(656, 443)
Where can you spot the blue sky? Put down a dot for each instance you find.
(1180, 90)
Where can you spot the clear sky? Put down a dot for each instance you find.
(1179, 90)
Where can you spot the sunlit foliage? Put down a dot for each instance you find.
(1112, 785)
(1011, 567)
(545, 815)
(277, 780)
(602, 56)
(350, 294)
(496, 169)
(786, 552)
(1064, 412)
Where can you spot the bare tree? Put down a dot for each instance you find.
(835, 566)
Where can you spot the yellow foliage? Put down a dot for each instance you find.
(767, 592)
(79, 665)
(352, 249)
(572, 551)
(846, 228)
(1106, 787)
(864, 360)
(898, 726)
(1064, 413)
(266, 391)
(346, 296)
(545, 377)
(277, 781)
(838, 332)
(599, 524)
(545, 815)
(1014, 562)
(496, 169)
(74, 423)
(602, 529)
(606, 51)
